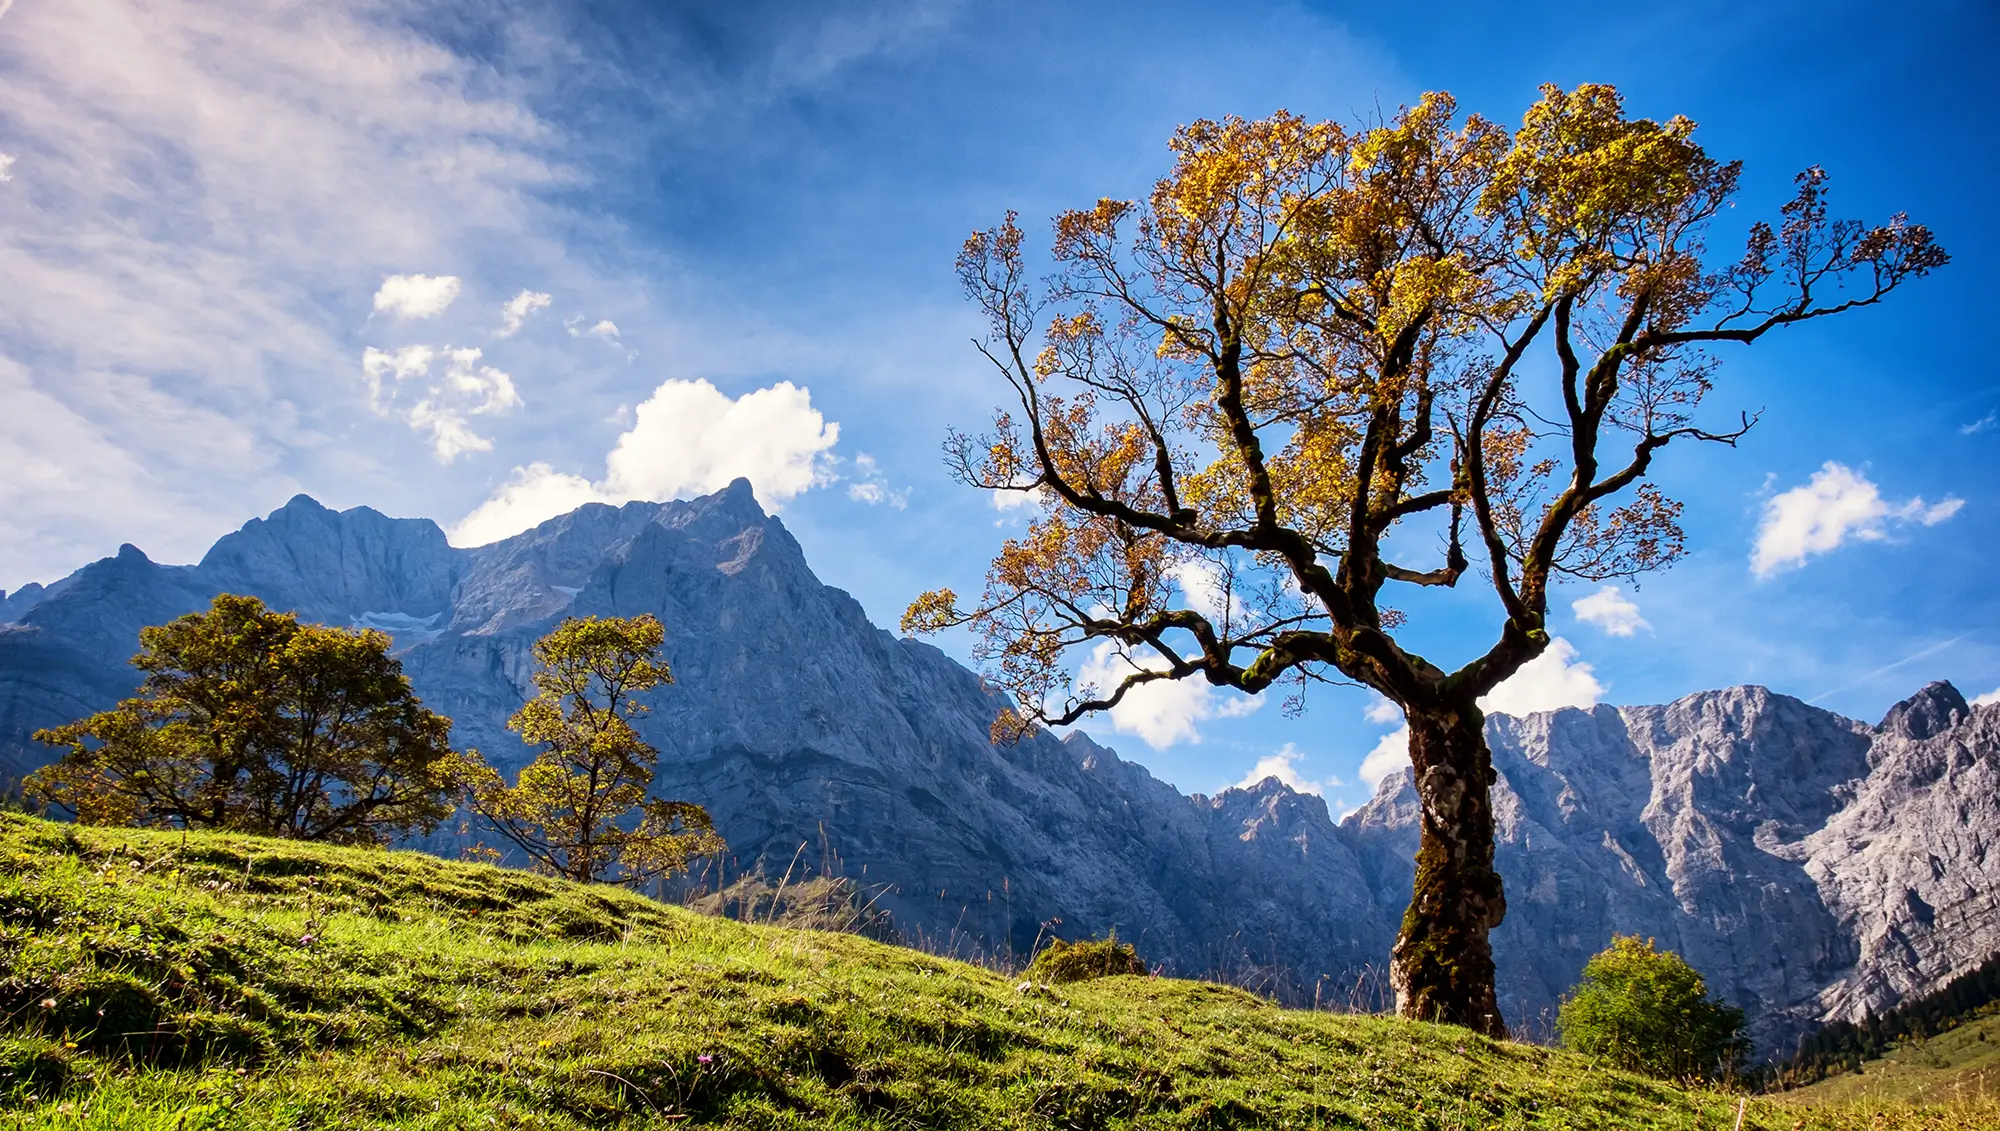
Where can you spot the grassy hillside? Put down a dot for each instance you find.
(155, 980)
(1960, 1063)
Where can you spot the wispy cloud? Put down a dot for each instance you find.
(1983, 424)
(1885, 669)
(870, 486)
(515, 313)
(221, 186)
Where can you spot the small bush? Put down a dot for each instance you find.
(1648, 1011)
(1079, 962)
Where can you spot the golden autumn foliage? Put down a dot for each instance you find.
(1310, 334)
(1228, 397)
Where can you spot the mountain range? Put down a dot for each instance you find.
(1811, 866)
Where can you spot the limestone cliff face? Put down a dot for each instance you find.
(1811, 866)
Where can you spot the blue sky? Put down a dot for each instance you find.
(743, 219)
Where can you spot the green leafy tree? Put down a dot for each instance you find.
(250, 721)
(580, 809)
(1647, 1010)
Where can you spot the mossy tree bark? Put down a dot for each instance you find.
(1442, 965)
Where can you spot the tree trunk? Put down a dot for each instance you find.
(1442, 967)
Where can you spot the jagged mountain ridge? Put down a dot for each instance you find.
(1810, 865)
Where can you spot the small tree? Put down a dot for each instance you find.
(580, 809)
(250, 721)
(1647, 1010)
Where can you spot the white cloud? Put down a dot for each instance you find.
(416, 296)
(1390, 754)
(1205, 585)
(687, 439)
(604, 327)
(1381, 712)
(872, 488)
(6, 167)
(1838, 503)
(1556, 678)
(535, 494)
(517, 310)
(1983, 424)
(398, 367)
(466, 388)
(1284, 765)
(1164, 712)
(220, 186)
(1610, 610)
(1005, 501)
(1992, 696)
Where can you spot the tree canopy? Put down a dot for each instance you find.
(1646, 1010)
(580, 809)
(250, 721)
(1241, 405)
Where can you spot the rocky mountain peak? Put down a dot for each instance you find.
(1932, 711)
(1809, 865)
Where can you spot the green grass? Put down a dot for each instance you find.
(204, 982)
(1962, 1063)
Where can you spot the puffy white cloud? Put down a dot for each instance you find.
(1390, 754)
(516, 311)
(1284, 765)
(605, 328)
(687, 439)
(690, 438)
(1838, 503)
(1556, 678)
(1006, 501)
(1381, 712)
(1610, 610)
(6, 165)
(1992, 696)
(416, 296)
(535, 494)
(1164, 712)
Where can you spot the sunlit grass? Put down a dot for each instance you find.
(247, 983)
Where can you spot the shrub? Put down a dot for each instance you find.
(1648, 1011)
(1078, 962)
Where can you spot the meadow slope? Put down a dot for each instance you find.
(200, 981)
